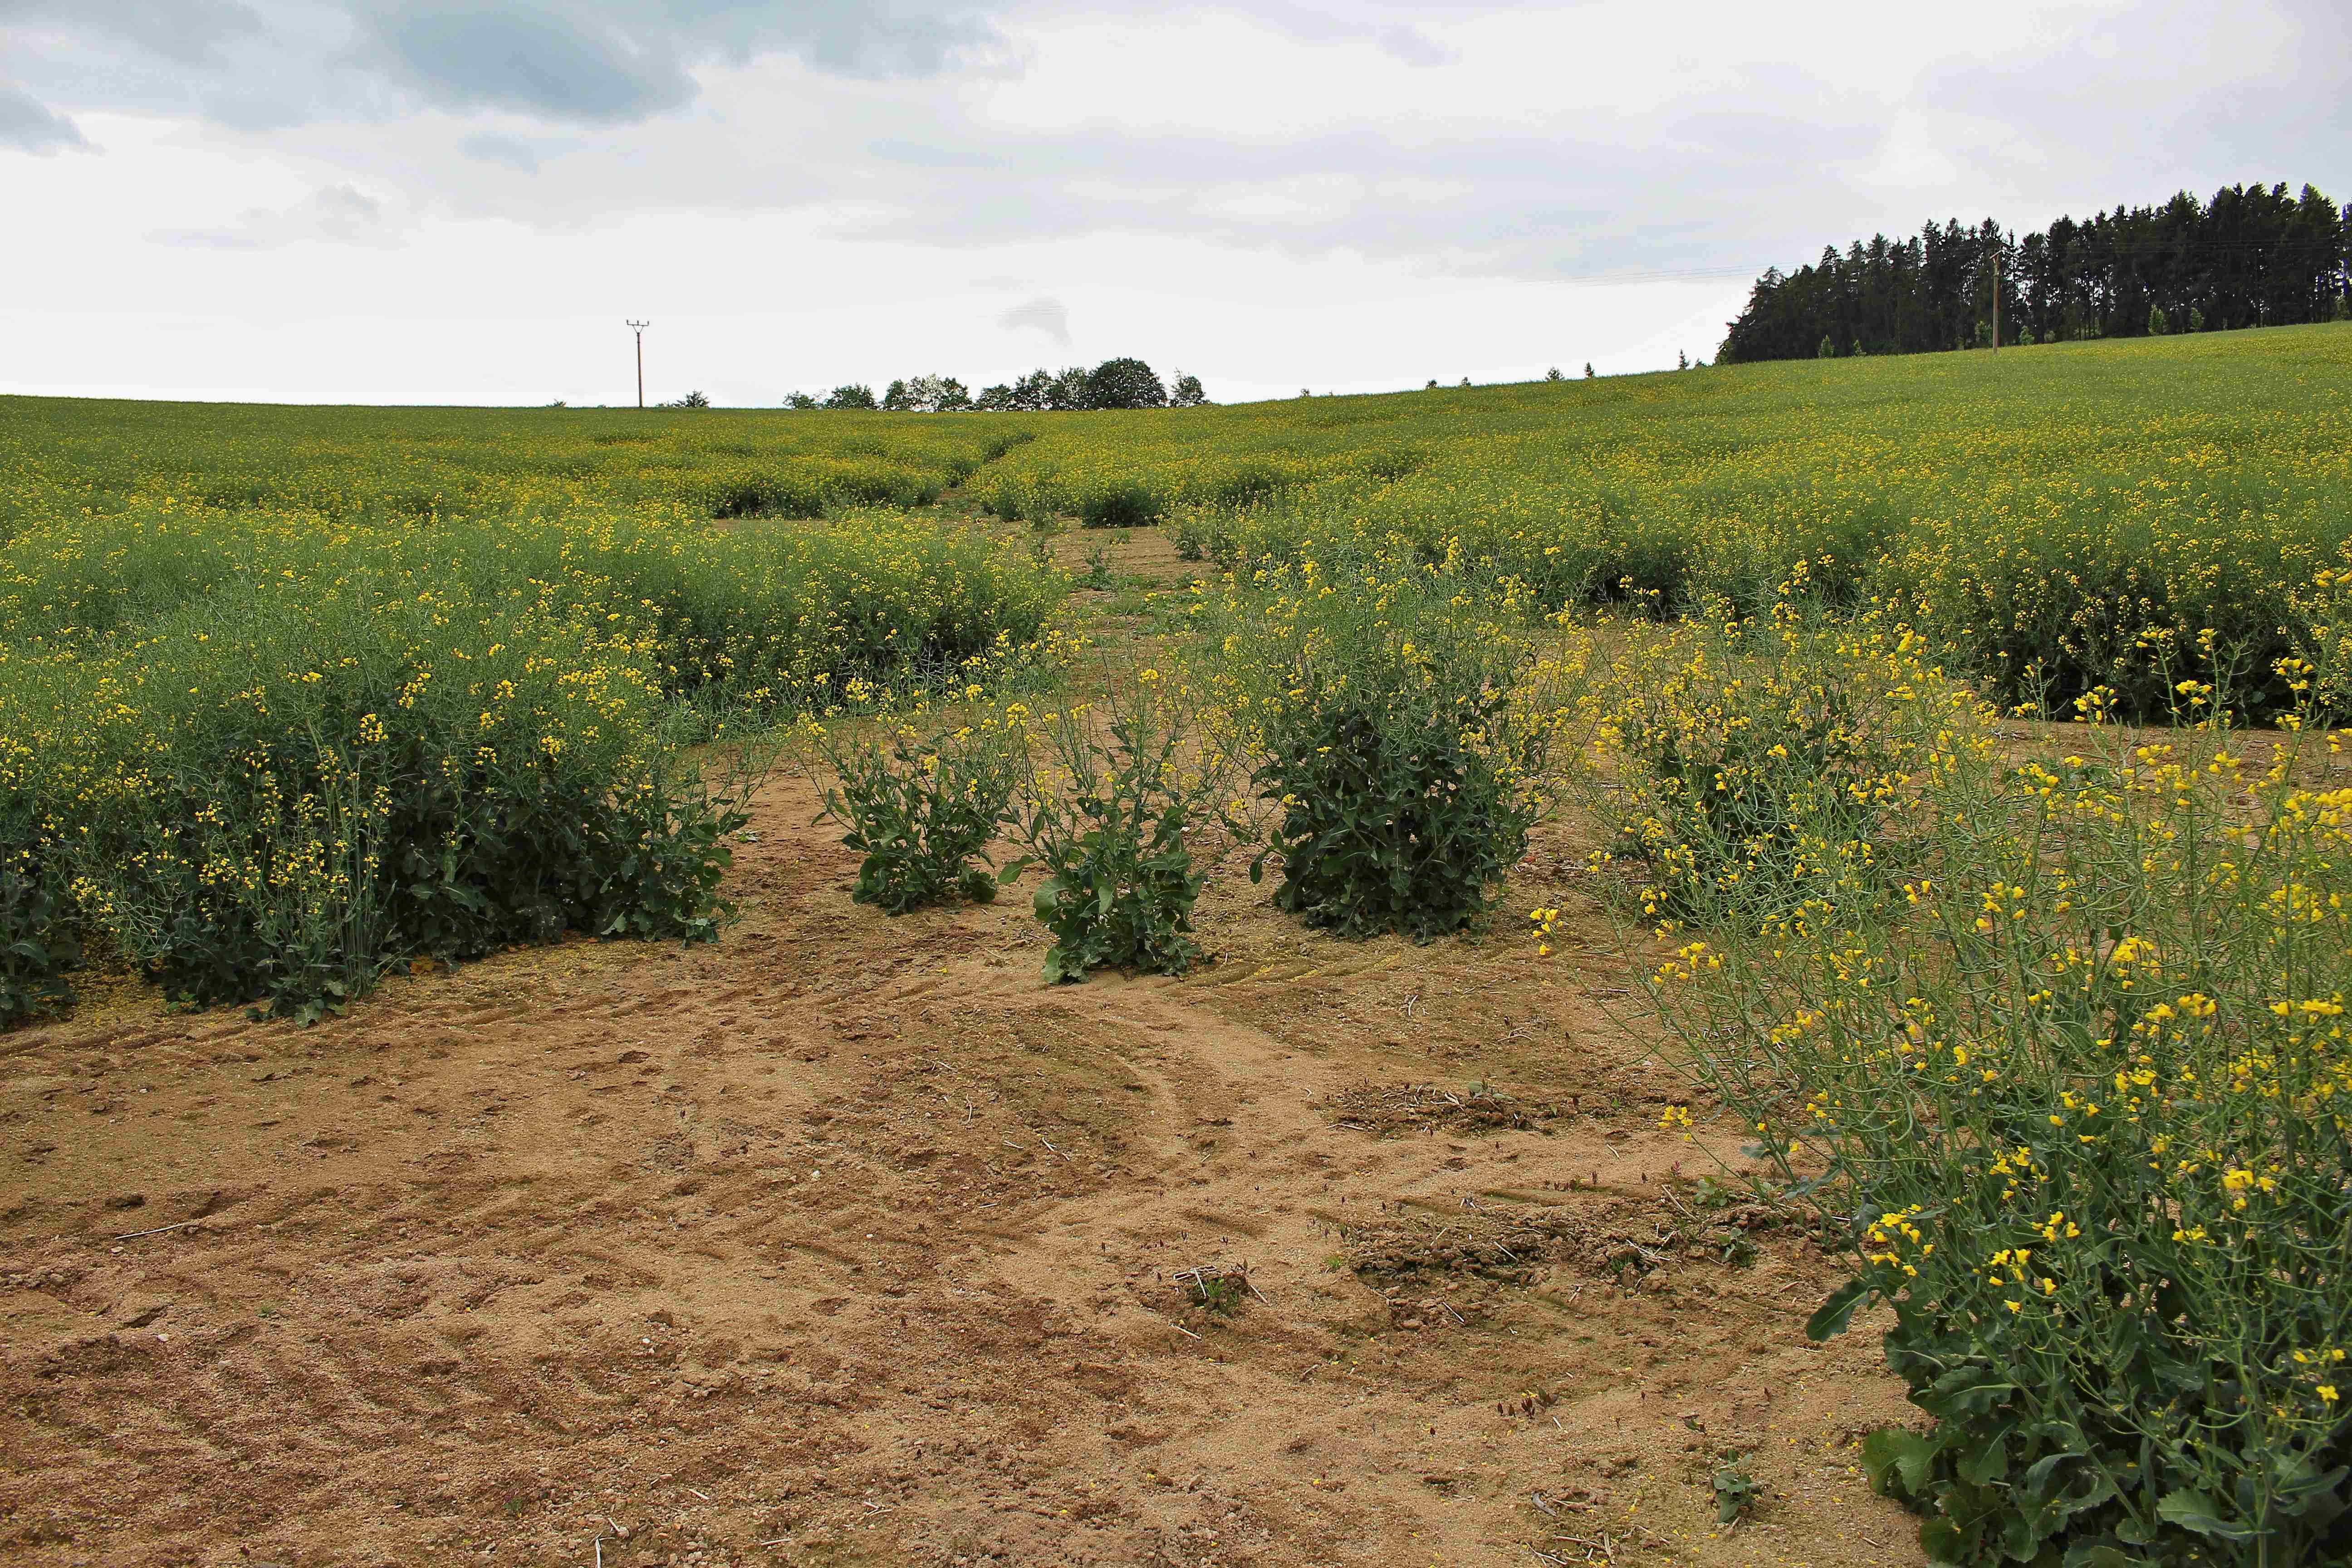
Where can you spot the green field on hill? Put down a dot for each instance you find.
(2047, 510)
(2039, 1027)
(377, 631)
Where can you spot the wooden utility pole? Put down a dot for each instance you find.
(640, 328)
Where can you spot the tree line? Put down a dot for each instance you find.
(1114, 384)
(2247, 258)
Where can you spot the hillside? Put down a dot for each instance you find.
(1517, 905)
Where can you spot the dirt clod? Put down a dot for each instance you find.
(1394, 1110)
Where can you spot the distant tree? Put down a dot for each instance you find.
(1588, 370)
(1827, 349)
(1187, 392)
(1856, 351)
(2025, 338)
(927, 394)
(1304, 392)
(1433, 384)
(558, 402)
(857, 394)
(2248, 255)
(2343, 308)
(691, 400)
(1071, 391)
(1466, 381)
(1682, 360)
(1126, 383)
(995, 400)
(800, 400)
(1033, 393)
(1553, 375)
(2157, 324)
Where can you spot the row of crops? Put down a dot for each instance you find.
(2042, 1027)
(199, 601)
(2058, 518)
(261, 754)
(418, 465)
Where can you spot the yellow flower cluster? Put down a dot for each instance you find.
(1545, 917)
(242, 654)
(2072, 1022)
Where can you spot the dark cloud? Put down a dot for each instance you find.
(195, 32)
(868, 39)
(263, 63)
(550, 64)
(1045, 315)
(29, 125)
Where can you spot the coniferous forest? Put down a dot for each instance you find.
(2248, 257)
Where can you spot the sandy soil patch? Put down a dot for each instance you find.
(847, 1240)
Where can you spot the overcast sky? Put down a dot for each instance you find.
(458, 201)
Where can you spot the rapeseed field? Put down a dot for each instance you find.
(1953, 735)
(291, 695)
(2061, 517)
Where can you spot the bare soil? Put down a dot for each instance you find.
(849, 1240)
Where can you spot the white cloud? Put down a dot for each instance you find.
(1268, 192)
(503, 150)
(334, 214)
(1415, 47)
